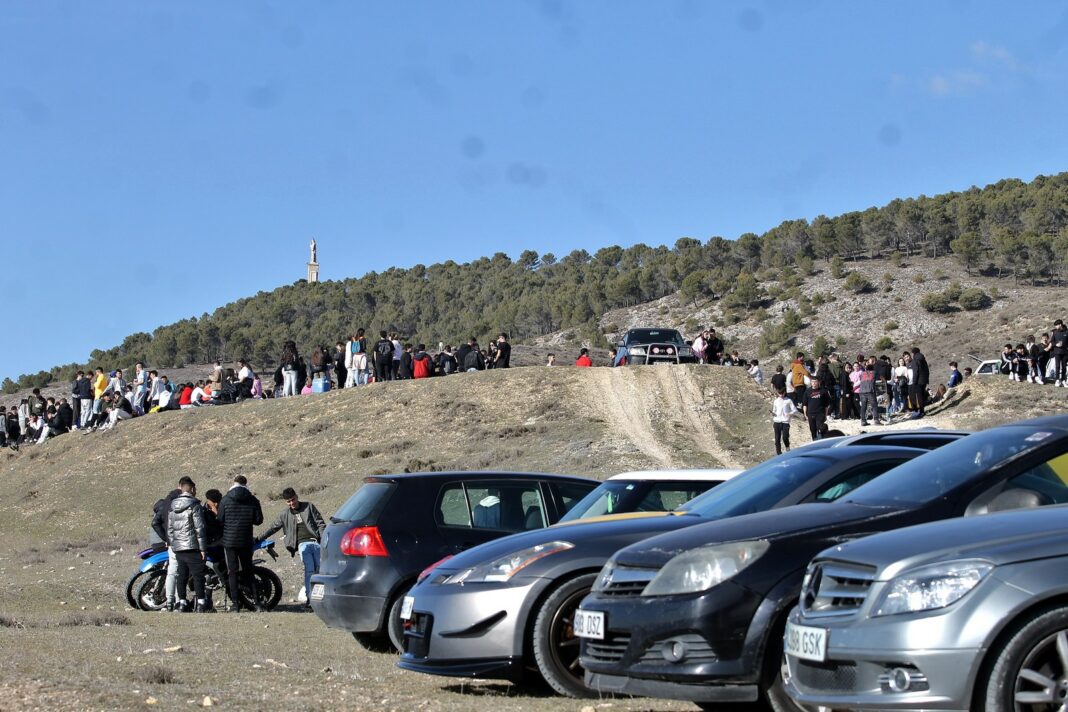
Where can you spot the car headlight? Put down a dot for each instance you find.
(701, 569)
(636, 350)
(504, 568)
(931, 587)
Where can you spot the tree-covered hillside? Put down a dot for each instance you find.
(1019, 230)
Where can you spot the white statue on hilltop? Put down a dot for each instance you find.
(313, 260)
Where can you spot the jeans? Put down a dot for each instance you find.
(782, 436)
(172, 575)
(868, 401)
(815, 424)
(190, 563)
(240, 560)
(289, 382)
(309, 556)
(87, 410)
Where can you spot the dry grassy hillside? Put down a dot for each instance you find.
(74, 511)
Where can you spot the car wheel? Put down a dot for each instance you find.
(394, 624)
(1030, 670)
(556, 648)
(733, 706)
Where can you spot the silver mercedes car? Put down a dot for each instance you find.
(965, 614)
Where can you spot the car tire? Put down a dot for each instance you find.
(1033, 648)
(555, 646)
(733, 706)
(394, 624)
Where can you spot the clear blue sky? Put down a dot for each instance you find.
(158, 160)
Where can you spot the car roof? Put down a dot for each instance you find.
(696, 475)
(844, 453)
(475, 475)
(875, 437)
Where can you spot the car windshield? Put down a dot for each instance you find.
(617, 496)
(759, 488)
(653, 336)
(935, 474)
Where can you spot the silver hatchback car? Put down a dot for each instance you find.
(965, 614)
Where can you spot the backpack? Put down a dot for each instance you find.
(384, 349)
(355, 347)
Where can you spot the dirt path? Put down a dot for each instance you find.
(659, 409)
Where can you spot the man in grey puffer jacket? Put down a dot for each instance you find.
(189, 542)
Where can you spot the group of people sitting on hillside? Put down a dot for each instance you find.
(1043, 361)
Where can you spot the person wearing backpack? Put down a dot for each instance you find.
(474, 360)
(422, 364)
(383, 358)
(356, 359)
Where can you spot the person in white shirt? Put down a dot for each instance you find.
(244, 372)
(199, 396)
(782, 409)
(755, 373)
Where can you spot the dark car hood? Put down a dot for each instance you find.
(579, 533)
(1003, 538)
(783, 523)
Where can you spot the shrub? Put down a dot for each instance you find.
(884, 344)
(819, 299)
(805, 265)
(888, 278)
(838, 267)
(897, 258)
(820, 347)
(919, 278)
(937, 303)
(857, 283)
(973, 299)
(953, 291)
(890, 325)
(939, 274)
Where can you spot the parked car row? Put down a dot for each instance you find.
(801, 583)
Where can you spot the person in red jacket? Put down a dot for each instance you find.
(583, 361)
(422, 364)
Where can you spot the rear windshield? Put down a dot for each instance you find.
(935, 474)
(366, 503)
(619, 496)
(759, 488)
(654, 336)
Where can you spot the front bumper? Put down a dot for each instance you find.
(946, 647)
(470, 630)
(720, 662)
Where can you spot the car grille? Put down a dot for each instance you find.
(627, 582)
(697, 650)
(834, 588)
(609, 650)
(825, 677)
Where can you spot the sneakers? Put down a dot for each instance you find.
(167, 607)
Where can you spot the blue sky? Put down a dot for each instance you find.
(158, 160)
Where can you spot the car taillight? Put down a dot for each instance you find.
(426, 572)
(363, 541)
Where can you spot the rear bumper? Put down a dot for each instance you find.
(340, 609)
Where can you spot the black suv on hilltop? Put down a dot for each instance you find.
(395, 526)
(643, 346)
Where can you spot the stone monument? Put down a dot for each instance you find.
(313, 264)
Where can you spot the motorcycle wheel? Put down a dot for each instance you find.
(132, 587)
(268, 589)
(152, 594)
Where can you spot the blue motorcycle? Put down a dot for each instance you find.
(146, 589)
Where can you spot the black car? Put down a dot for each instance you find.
(699, 614)
(395, 526)
(644, 346)
(505, 607)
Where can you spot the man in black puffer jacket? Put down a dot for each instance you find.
(239, 511)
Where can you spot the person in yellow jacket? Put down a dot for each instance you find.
(100, 384)
(797, 378)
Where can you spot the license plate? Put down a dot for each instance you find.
(589, 624)
(406, 607)
(806, 642)
(318, 591)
